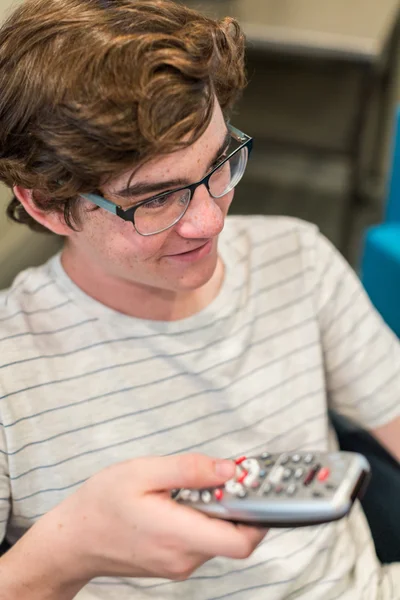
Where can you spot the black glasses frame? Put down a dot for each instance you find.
(129, 213)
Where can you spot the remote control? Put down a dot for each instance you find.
(285, 490)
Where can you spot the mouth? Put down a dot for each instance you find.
(194, 254)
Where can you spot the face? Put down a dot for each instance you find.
(181, 258)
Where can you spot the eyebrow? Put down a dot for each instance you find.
(137, 189)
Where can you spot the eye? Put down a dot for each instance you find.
(219, 160)
(158, 202)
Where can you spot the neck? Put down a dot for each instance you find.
(138, 300)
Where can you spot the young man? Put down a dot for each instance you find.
(164, 327)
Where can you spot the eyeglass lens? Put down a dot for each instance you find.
(163, 212)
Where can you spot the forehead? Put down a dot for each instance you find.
(182, 163)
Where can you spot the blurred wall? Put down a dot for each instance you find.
(19, 248)
(291, 100)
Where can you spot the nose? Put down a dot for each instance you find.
(204, 217)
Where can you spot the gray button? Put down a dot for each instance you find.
(242, 493)
(262, 474)
(233, 487)
(194, 496)
(308, 459)
(267, 488)
(206, 496)
(265, 455)
(284, 459)
(287, 473)
(291, 489)
(299, 473)
(296, 458)
(276, 474)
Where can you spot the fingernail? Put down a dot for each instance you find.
(225, 468)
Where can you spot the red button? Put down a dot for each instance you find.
(238, 461)
(242, 476)
(219, 494)
(309, 478)
(323, 474)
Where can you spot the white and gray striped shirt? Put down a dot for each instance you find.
(290, 333)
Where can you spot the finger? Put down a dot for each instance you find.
(184, 471)
(213, 537)
(254, 534)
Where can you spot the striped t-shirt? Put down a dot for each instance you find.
(290, 334)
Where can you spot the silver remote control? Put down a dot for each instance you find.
(285, 490)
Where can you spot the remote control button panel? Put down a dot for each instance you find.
(284, 490)
(296, 475)
(268, 474)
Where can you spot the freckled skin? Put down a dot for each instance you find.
(110, 261)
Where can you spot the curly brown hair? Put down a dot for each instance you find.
(89, 88)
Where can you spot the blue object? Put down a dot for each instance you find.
(392, 213)
(381, 271)
(380, 265)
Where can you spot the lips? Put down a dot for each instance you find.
(191, 250)
(192, 255)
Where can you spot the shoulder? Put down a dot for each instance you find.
(261, 228)
(275, 236)
(32, 293)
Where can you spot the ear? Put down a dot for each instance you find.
(53, 221)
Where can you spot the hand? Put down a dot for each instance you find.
(122, 521)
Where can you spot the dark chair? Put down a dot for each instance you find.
(382, 497)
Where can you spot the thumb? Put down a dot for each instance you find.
(186, 471)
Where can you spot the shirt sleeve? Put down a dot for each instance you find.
(361, 354)
(5, 493)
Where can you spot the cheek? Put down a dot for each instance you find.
(117, 239)
(226, 202)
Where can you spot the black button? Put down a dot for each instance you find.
(317, 494)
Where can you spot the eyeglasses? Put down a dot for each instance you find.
(156, 214)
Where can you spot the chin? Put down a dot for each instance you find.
(196, 277)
